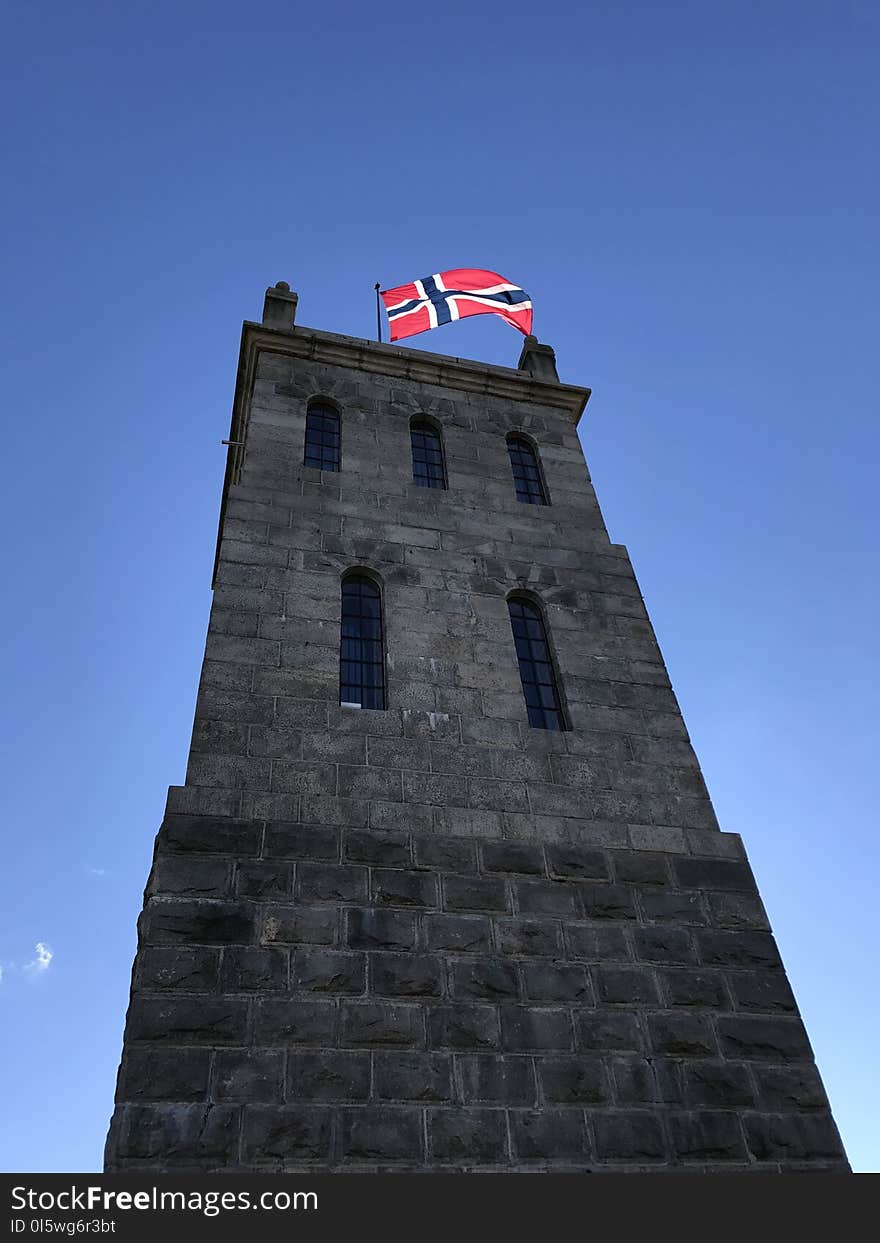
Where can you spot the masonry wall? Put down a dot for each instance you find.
(435, 937)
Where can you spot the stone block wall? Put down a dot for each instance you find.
(270, 738)
(319, 997)
(434, 937)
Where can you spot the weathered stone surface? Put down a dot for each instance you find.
(704, 989)
(569, 861)
(664, 945)
(516, 857)
(399, 888)
(171, 1134)
(526, 1030)
(774, 1039)
(330, 882)
(299, 841)
(458, 932)
(445, 854)
(762, 990)
(465, 1134)
(676, 908)
(249, 968)
(463, 1027)
(210, 836)
(328, 1075)
(786, 1137)
(303, 925)
(501, 1080)
(624, 985)
(286, 1132)
(248, 1075)
(707, 1136)
(475, 894)
(329, 971)
(561, 982)
(551, 1134)
(629, 1136)
(283, 1022)
(528, 937)
(385, 849)
(607, 902)
(634, 1080)
(570, 1079)
(602, 1029)
(713, 874)
(482, 979)
(184, 1020)
(790, 1087)
(386, 1134)
(263, 879)
(683, 1035)
(165, 1075)
(182, 921)
(413, 1076)
(725, 1085)
(381, 1023)
(546, 897)
(373, 929)
(638, 867)
(595, 943)
(192, 876)
(406, 975)
(737, 949)
(187, 968)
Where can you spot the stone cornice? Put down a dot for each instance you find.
(392, 360)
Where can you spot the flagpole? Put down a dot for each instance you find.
(378, 316)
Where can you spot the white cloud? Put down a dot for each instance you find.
(42, 960)
(38, 965)
(95, 871)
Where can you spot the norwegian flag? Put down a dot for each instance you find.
(445, 296)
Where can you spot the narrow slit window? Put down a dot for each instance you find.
(322, 437)
(427, 456)
(362, 655)
(536, 670)
(526, 472)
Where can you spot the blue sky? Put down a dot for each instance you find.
(689, 191)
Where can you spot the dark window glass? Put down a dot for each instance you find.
(427, 457)
(322, 437)
(535, 666)
(361, 656)
(526, 473)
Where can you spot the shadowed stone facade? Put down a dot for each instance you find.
(435, 937)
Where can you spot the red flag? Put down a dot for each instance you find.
(455, 294)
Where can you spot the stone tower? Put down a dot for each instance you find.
(444, 888)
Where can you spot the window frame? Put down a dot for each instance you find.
(420, 425)
(558, 706)
(515, 441)
(321, 407)
(364, 577)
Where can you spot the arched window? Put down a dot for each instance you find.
(322, 437)
(526, 471)
(535, 665)
(362, 656)
(427, 455)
